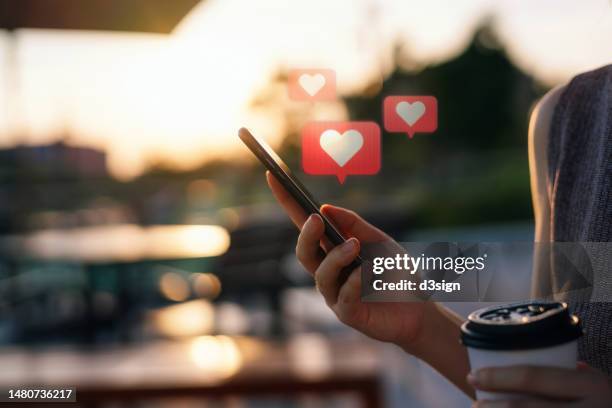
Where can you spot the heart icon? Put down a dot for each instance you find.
(312, 84)
(341, 147)
(410, 112)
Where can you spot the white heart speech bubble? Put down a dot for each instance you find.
(312, 84)
(410, 112)
(341, 147)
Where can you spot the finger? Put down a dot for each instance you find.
(291, 207)
(519, 403)
(349, 296)
(328, 272)
(308, 250)
(350, 291)
(351, 224)
(533, 380)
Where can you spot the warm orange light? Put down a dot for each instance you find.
(186, 241)
(187, 319)
(179, 99)
(218, 357)
(206, 285)
(310, 356)
(126, 242)
(174, 287)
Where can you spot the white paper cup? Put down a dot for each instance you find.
(533, 333)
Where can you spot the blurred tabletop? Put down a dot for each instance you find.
(205, 366)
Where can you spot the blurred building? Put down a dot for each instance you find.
(53, 160)
(46, 177)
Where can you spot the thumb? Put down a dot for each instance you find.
(351, 224)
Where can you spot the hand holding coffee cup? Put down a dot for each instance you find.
(522, 334)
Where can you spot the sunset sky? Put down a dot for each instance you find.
(181, 98)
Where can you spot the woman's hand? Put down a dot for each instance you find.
(424, 329)
(396, 322)
(544, 386)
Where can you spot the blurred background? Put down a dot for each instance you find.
(142, 258)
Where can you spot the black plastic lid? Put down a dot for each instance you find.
(517, 326)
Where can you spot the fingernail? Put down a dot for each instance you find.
(349, 246)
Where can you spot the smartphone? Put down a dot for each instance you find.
(296, 189)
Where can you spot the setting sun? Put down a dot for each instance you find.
(179, 99)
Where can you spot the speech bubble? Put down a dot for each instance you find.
(410, 114)
(341, 149)
(312, 84)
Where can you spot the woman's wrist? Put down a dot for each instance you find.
(436, 322)
(437, 343)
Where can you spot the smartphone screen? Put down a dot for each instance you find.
(287, 179)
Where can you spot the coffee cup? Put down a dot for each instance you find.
(527, 333)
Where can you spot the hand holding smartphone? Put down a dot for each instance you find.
(296, 189)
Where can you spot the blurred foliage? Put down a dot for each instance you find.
(474, 168)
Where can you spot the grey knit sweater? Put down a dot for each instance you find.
(580, 192)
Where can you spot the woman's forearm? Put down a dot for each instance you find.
(439, 346)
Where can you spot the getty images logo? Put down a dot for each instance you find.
(412, 264)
